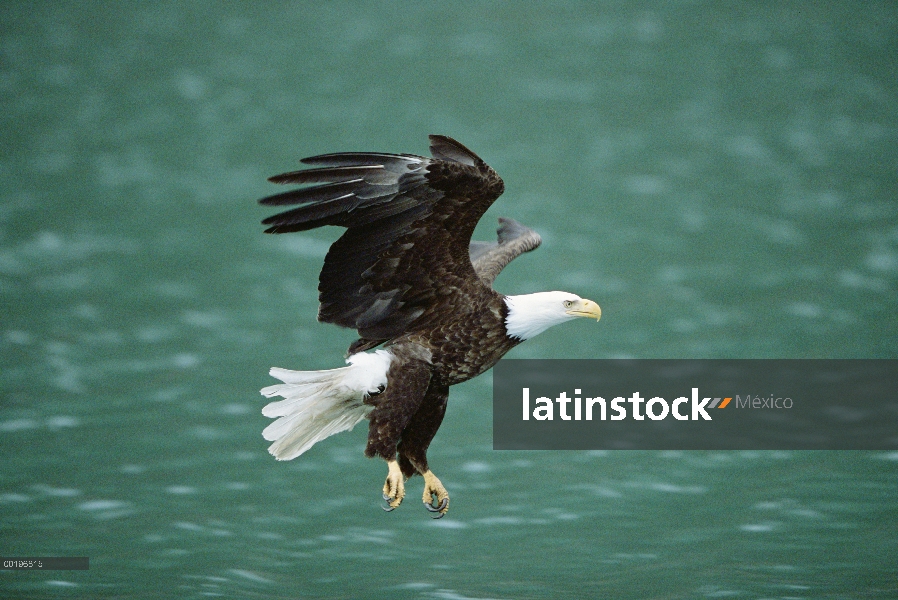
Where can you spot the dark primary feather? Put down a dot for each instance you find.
(330, 175)
(348, 184)
(318, 193)
(409, 222)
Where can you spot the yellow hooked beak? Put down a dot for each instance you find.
(585, 308)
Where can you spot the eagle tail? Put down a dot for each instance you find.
(318, 404)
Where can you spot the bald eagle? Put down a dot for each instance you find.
(406, 275)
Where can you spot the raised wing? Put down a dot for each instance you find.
(409, 222)
(489, 258)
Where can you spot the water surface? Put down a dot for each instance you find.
(721, 179)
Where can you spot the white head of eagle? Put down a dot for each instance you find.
(531, 314)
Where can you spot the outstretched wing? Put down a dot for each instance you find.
(489, 258)
(409, 222)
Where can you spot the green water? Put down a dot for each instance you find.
(721, 178)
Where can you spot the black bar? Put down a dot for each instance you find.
(44, 563)
(773, 404)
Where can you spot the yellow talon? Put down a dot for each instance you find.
(434, 487)
(394, 486)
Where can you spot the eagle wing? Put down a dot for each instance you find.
(489, 258)
(408, 220)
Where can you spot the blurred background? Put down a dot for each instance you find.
(721, 178)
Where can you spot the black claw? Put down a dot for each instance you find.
(388, 508)
(437, 509)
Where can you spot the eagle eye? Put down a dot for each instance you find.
(568, 303)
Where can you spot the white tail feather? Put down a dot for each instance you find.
(318, 404)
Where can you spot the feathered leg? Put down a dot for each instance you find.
(416, 439)
(407, 382)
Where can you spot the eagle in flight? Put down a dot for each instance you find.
(407, 277)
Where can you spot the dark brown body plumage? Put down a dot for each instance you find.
(405, 274)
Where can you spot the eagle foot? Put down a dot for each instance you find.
(433, 488)
(394, 487)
